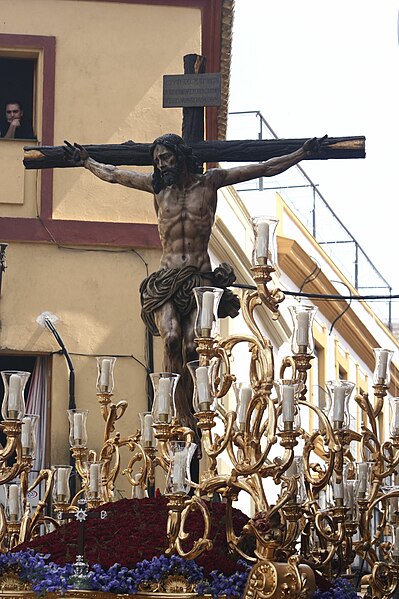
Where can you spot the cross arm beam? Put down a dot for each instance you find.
(138, 154)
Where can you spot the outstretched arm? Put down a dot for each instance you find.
(271, 167)
(79, 156)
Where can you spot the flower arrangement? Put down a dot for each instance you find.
(163, 573)
(36, 570)
(173, 574)
(134, 532)
(341, 588)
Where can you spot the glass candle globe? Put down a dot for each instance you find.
(207, 320)
(61, 491)
(105, 374)
(203, 398)
(264, 250)
(164, 385)
(178, 480)
(302, 341)
(14, 381)
(77, 428)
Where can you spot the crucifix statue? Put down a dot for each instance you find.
(185, 204)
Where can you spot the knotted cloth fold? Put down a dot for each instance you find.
(176, 285)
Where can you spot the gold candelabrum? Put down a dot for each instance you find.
(317, 506)
(18, 522)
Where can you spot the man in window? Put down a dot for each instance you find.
(14, 126)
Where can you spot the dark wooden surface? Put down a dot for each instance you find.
(138, 154)
(193, 118)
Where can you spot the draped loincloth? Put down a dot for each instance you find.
(176, 285)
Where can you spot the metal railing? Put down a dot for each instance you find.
(305, 199)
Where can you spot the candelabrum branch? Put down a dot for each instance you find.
(249, 301)
(114, 412)
(328, 530)
(215, 444)
(250, 454)
(262, 416)
(364, 403)
(179, 510)
(234, 542)
(262, 275)
(380, 391)
(366, 524)
(222, 374)
(292, 515)
(37, 517)
(282, 465)
(383, 580)
(389, 454)
(110, 455)
(82, 455)
(199, 545)
(139, 455)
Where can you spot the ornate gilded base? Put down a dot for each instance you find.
(12, 587)
(274, 580)
(138, 595)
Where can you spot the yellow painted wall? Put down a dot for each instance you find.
(110, 59)
(95, 296)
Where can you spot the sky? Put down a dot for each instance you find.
(315, 67)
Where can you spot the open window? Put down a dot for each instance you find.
(17, 75)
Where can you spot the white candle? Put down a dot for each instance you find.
(395, 546)
(322, 500)
(363, 472)
(262, 242)
(78, 427)
(207, 310)
(26, 433)
(350, 495)
(201, 375)
(14, 390)
(105, 372)
(179, 471)
(288, 403)
(338, 406)
(13, 500)
(94, 477)
(148, 434)
(138, 491)
(338, 488)
(303, 326)
(382, 364)
(164, 395)
(62, 481)
(245, 398)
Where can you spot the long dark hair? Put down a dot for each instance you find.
(183, 153)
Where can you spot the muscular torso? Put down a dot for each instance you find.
(185, 219)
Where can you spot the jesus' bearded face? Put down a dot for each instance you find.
(166, 163)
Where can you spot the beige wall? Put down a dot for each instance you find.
(95, 296)
(110, 60)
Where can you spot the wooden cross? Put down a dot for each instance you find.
(138, 154)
